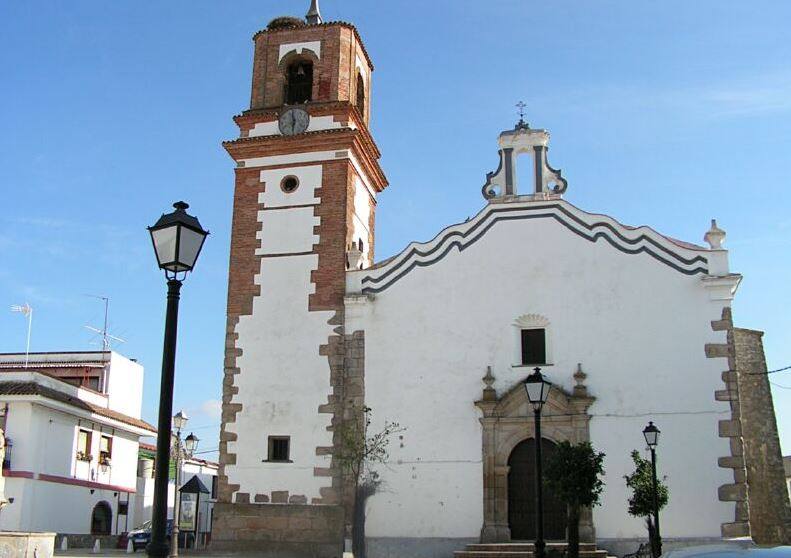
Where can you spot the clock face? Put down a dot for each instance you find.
(293, 121)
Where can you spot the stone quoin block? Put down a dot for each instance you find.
(280, 497)
(717, 350)
(733, 492)
(729, 428)
(735, 530)
(242, 498)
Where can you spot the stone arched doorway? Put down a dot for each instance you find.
(522, 495)
(101, 519)
(507, 422)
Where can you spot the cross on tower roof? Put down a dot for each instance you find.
(521, 124)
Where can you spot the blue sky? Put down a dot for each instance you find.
(661, 113)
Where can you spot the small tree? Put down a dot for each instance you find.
(573, 473)
(358, 451)
(641, 503)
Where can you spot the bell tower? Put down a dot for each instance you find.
(307, 178)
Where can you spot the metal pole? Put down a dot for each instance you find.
(105, 344)
(658, 541)
(29, 327)
(158, 546)
(174, 539)
(540, 544)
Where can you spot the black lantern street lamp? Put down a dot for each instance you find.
(651, 434)
(537, 388)
(191, 444)
(178, 238)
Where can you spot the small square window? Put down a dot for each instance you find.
(279, 448)
(534, 346)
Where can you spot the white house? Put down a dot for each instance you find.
(205, 470)
(72, 423)
(628, 324)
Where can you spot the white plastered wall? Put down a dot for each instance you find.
(44, 442)
(283, 379)
(637, 326)
(361, 218)
(125, 385)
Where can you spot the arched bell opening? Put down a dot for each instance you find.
(360, 95)
(299, 82)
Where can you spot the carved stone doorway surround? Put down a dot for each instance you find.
(507, 420)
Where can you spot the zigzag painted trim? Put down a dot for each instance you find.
(466, 234)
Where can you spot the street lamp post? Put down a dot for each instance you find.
(179, 422)
(651, 434)
(190, 445)
(537, 388)
(178, 238)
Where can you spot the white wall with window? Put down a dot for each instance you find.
(512, 298)
(72, 458)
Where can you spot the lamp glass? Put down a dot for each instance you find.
(190, 243)
(165, 245)
(651, 434)
(180, 420)
(191, 443)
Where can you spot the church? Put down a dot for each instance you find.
(629, 326)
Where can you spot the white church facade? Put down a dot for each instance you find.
(629, 325)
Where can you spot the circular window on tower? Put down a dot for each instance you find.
(289, 184)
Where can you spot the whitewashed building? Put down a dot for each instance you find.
(630, 325)
(205, 470)
(72, 423)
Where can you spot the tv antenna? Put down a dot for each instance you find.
(106, 337)
(26, 311)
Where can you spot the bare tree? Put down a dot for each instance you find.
(359, 451)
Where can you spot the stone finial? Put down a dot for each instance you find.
(313, 16)
(489, 392)
(715, 236)
(580, 389)
(354, 257)
(489, 378)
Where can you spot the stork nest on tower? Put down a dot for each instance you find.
(285, 22)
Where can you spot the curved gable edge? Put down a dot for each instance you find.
(592, 227)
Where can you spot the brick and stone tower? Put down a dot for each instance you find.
(307, 177)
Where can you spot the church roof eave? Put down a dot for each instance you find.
(687, 258)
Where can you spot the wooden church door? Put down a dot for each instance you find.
(522, 495)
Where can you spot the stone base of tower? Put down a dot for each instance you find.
(282, 530)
